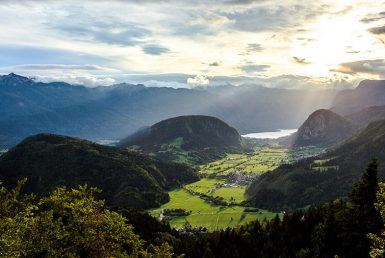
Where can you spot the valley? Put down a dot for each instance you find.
(218, 200)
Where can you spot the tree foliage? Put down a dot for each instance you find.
(378, 240)
(68, 223)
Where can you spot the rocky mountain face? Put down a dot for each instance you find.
(28, 107)
(200, 136)
(323, 128)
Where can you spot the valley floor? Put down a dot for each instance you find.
(214, 202)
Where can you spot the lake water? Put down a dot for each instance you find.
(271, 135)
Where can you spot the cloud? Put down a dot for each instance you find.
(156, 50)
(377, 30)
(300, 61)
(252, 49)
(372, 67)
(373, 18)
(212, 19)
(278, 39)
(198, 80)
(216, 63)
(120, 33)
(167, 84)
(277, 18)
(84, 80)
(251, 68)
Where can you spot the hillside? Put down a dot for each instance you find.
(367, 115)
(112, 112)
(192, 139)
(127, 178)
(368, 93)
(322, 128)
(318, 181)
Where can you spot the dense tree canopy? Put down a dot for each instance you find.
(67, 223)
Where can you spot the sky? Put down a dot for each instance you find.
(183, 44)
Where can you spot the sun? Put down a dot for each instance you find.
(331, 41)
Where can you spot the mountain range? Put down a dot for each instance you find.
(29, 107)
(114, 112)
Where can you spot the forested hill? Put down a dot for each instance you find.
(330, 177)
(197, 139)
(126, 178)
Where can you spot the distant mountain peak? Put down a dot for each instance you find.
(14, 79)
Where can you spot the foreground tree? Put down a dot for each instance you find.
(378, 241)
(365, 216)
(65, 224)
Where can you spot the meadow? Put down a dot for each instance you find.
(217, 181)
(211, 216)
(261, 160)
(318, 165)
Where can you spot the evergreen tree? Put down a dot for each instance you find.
(365, 217)
(378, 242)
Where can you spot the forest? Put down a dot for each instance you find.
(72, 223)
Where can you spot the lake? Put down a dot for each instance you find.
(271, 135)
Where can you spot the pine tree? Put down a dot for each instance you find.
(365, 216)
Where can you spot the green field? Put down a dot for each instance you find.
(261, 160)
(211, 216)
(318, 164)
(217, 180)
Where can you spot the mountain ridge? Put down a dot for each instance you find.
(28, 107)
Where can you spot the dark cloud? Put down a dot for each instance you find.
(374, 67)
(299, 60)
(155, 50)
(377, 30)
(216, 63)
(373, 17)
